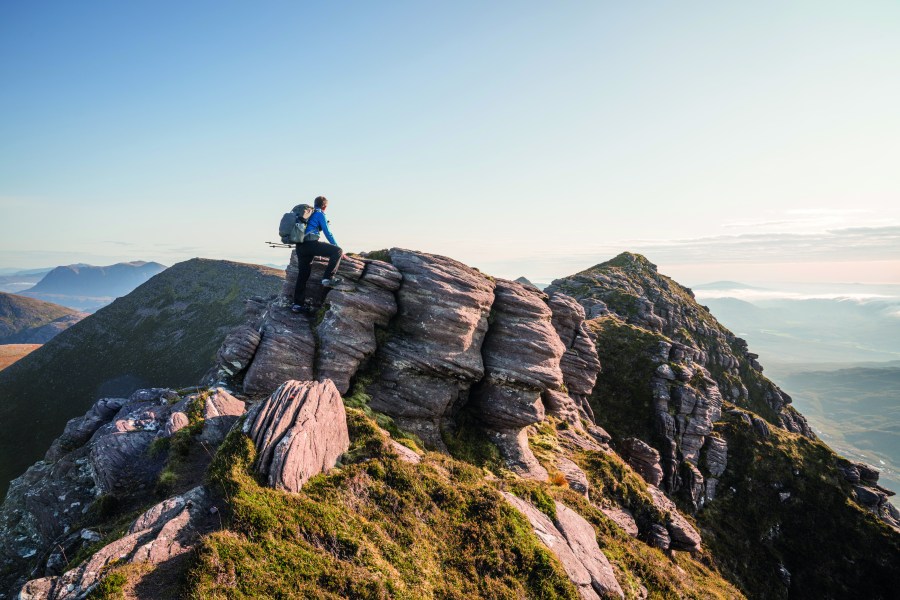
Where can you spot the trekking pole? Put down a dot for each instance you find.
(279, 245)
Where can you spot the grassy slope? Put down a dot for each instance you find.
(377, 527)
(832, 547)
(381, 528)
(165, 332)
(18, 313)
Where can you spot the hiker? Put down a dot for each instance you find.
(312, 247)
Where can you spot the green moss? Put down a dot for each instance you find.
(375, 528)
(110, 587)
(536, 493)
(382, 255)
(470, 443)
(360, 399)
(622, 398)
(611, 478)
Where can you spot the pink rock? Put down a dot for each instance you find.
(583, 540)
(299, 431)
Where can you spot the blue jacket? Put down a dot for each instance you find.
(318, 223)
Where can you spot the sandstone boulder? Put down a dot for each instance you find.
(623, 518)
(582, 540)
(221, 411)
(299, 431)
(682, 534)
(575, 477)
(573, 541)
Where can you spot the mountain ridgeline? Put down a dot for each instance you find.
(434, 432)
(88, 287)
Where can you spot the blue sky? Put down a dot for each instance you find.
(753, 141)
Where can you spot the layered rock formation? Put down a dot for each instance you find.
(580, 364)
(433, 343)
(522, 355)
(432, 355)
(630, 287)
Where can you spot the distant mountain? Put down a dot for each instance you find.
(12, 280)
(87, 287)
(29, 321)
(165, 332)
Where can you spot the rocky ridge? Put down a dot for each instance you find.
(427, 343)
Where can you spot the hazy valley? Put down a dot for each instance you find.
(835, 349)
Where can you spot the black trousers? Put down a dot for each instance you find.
(306, 252)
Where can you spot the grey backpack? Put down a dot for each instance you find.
(293, 224)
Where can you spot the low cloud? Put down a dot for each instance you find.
(761, 295)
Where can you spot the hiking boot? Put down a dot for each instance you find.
(299, 309)
(335, 280)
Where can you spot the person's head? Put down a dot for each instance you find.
(321, 202)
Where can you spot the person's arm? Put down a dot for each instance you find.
(325, 230)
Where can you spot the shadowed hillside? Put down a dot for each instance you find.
(167, 330)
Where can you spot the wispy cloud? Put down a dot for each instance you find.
(855, 243)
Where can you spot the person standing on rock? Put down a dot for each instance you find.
(311, 248)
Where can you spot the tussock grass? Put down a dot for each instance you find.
(375, 528)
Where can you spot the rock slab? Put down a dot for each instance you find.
(299, 431)
(573, 541)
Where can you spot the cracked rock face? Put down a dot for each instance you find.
(433, 354)
(643, 459)
(521, 358)
(347, 333)
(105, 452)
(299, 431)
(221, 411)
(682, 534)
(286, 351)
(580, 364)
